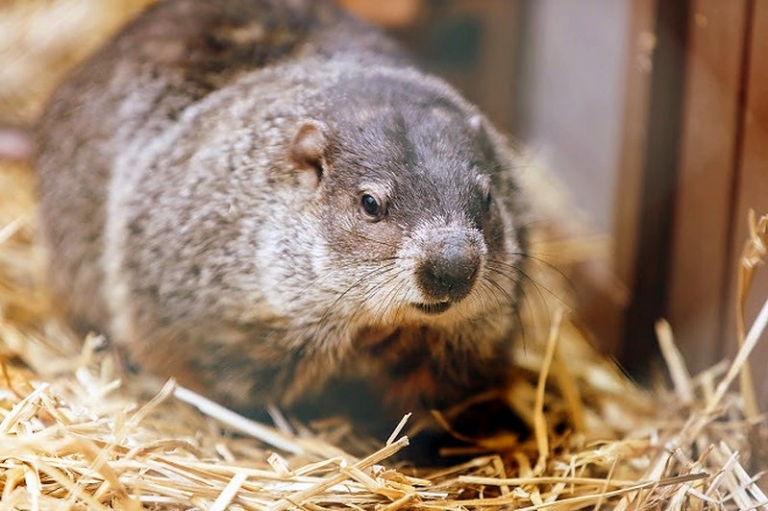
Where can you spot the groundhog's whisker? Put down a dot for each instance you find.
(542, 259)
(356, 284)
(502, 268)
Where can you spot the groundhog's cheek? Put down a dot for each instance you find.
(353, 236)
(495, 234)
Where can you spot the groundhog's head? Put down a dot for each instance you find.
(418, 203)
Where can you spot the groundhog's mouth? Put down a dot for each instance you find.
(433, 308)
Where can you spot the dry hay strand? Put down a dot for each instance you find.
(40, 40)
(76, 432)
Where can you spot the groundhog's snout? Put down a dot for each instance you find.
(449, 268)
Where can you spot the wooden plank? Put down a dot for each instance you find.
(637, 91)
(660, 156)
(641, 45)
(700, 242)
(752, 189)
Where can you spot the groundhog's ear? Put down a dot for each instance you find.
(308, 147)
(476, 123)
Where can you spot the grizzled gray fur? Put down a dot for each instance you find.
(257, 196)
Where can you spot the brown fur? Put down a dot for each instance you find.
(257, 195)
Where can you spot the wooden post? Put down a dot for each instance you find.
(751, 190)
(644, 265)
(701, 247)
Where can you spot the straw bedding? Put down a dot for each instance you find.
(77, 432)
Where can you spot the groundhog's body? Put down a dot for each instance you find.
(257, 195)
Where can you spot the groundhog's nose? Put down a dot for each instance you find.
(449, 269)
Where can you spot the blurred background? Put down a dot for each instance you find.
(653, 114)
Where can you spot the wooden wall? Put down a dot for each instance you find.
(718, 172)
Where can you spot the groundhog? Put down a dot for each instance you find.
(260, 196)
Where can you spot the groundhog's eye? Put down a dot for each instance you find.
(372, 206)
(488, 200)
